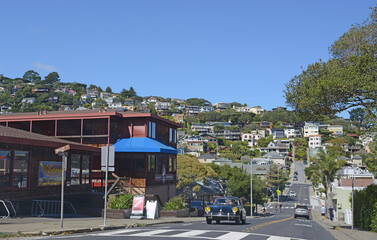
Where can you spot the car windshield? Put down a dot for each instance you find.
(226, 201)
(302, 207)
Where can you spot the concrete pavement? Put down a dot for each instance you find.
(51, 226)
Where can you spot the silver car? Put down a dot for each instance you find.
(302, 211)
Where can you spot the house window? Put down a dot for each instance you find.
(171, 138)
(152, 129)
(75, 169)
(20, 169)
(151, 162)
(5, 157)
(138, 162)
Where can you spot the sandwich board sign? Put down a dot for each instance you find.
(138, 207)
(151, 209)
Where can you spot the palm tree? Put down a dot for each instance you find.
(326, 169)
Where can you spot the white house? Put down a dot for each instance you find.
(310, 129)
(315, 141)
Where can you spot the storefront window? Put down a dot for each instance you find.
(75, 169)
(138, 162)
(151, 162)
(20, 169)
(85, 169)
(5, 158)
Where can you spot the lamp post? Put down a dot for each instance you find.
(278, 183)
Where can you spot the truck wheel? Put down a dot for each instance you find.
(209, 221)
(237, 221)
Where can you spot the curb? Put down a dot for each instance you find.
(95, 229)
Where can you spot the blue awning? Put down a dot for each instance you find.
(147, 145)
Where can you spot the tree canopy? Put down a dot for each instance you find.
(346, 80)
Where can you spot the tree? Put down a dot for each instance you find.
(345, 81)
(196, 101)
(263, 142)
(108, 90)
(324, 172)
(190, 171)
(276, 178)
(32, 76)
(52, 78)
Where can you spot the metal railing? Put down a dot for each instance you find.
(11, 207)
(6, 209)
(48, 208)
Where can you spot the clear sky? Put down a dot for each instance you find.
(223, 51)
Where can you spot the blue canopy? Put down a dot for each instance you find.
(142, 145)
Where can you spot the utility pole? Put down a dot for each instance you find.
(278, 183)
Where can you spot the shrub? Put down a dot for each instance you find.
(176, 203)
(121, 202)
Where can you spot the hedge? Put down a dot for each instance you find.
(365, 208)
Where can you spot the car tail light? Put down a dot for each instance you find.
(295, 209)
(308, 210)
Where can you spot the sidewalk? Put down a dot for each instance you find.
(50, 226)
(338, 229)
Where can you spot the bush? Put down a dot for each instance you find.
(121, 202)
(365, 208)
(176, 203)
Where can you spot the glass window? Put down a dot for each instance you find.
(152, 129)
(171, 163)
(85, 178)
(151, 162)
(20, 169)
(5, 158)
(175, 135)
(170, 135)
(75, 169)
(138, 162)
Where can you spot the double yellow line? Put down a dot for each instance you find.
(265, 224)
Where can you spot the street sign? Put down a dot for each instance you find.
(110, 169)
(62, 149)
(104, 156)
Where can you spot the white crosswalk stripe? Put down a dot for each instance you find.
(184, 233)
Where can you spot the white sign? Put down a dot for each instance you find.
(151, 209)
(110, 169)
(104, 156)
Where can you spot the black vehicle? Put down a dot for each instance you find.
(296, 173)
(226, 208)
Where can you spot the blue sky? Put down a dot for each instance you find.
(223, 51)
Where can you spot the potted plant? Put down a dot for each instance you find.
(120, 206)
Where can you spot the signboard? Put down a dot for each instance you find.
(110, 169)
(104, 156)
(151, 208)
(50, 173)
(138, 206)
(62, 149)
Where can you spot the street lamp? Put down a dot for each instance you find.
(278, 184)
(353, 177)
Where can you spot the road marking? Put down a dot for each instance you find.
(191, 233)
(233, 236)
(117, 232)
(278, 238)
(150, 233)
(266, 224)
(304, 225)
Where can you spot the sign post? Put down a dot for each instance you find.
(107, 164)
(62, 151)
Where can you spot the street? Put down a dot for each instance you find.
(274, 226)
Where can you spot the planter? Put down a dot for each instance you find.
(118, 213)
(168, 214)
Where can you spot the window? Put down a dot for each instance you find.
(20, 169)
(152, 129)
(151, 162)
(85, 178)
(171, 135)
(171, 160)
(5, 158)
(138, 162)
(75, 169)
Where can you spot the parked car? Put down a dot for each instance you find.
(226, 208)
(296, 173)
(292, 194)
(302, 211)
(288, 184)
(197, 205)
(295, 178)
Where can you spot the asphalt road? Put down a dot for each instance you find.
(275, 226)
